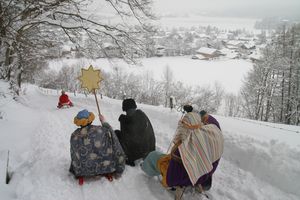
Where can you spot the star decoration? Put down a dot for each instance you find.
(90, 78)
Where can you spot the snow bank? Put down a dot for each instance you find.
(273, 162)
(259, 162)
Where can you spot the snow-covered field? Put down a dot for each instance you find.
(260, 162)
(228, 72)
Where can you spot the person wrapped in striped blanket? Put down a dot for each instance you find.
(194, 157)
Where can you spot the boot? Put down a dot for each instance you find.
(109, 177)
(80, 180)
(207, 184)
(179, 192)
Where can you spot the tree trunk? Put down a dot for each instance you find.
(7, 63)
(289, 95)
(270, 94)
(282, 99)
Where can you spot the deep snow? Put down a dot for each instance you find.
(228, 72)
(259, 162)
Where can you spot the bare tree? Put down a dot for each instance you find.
(24, 21)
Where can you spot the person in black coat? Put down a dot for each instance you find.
(136, 135)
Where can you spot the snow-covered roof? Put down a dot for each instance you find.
(222, 36)
(231, 46)
(245, 38)
(255, 56)
(206, 50)
(199, 57)
(249, 45)
(65, 48)
(234, 42)
(202, 35)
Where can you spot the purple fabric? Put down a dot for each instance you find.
(212, 120)
(177, 175)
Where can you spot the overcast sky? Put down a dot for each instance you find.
(246, 8)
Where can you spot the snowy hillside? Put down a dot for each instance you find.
(261, 160)
(229, 73)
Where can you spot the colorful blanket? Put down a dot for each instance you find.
(201, 146)
(95, 150)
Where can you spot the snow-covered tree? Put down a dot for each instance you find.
(208, 98)
(28, 28)
(271, 89)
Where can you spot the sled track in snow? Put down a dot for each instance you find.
(46, 175)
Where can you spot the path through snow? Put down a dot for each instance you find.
(42, 173)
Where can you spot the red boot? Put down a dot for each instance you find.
(109, 177)
(80, 180)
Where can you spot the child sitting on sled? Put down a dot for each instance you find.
(64, 100)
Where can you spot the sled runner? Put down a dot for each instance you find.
(65, 105)
(81, 179)
(180, 191)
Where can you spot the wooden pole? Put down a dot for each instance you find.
(7, 174)
(94, 91)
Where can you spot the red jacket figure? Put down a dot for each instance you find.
(64, 100)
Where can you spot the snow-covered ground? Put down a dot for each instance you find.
(259, 162)
(228, 72)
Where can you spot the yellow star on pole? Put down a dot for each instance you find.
(90, 78)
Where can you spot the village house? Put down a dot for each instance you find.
(111, 50)
(160, 51)
(247, 48)
(208, 53)
(199, 57)
(233, 44)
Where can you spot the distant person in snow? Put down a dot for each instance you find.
(195, 155)
(136, 135)
(208, 119)
(64, 100)
(95, 150)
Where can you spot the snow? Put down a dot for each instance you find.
(206, 50)
(255, 56)
(249, 45)
(189, 71)
(199, 56)
(261, 160)
(229, 53)
(234, 43)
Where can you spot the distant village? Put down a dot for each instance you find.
(202, 43)
(206, 43)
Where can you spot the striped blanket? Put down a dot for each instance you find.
(202, 145)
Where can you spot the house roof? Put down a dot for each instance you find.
(199, 57)
(202, 35)
(249, 45)
(234, 42)
(256, 56)
(206, 50)
(222, 36)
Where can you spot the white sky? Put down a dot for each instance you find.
(231, 7)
